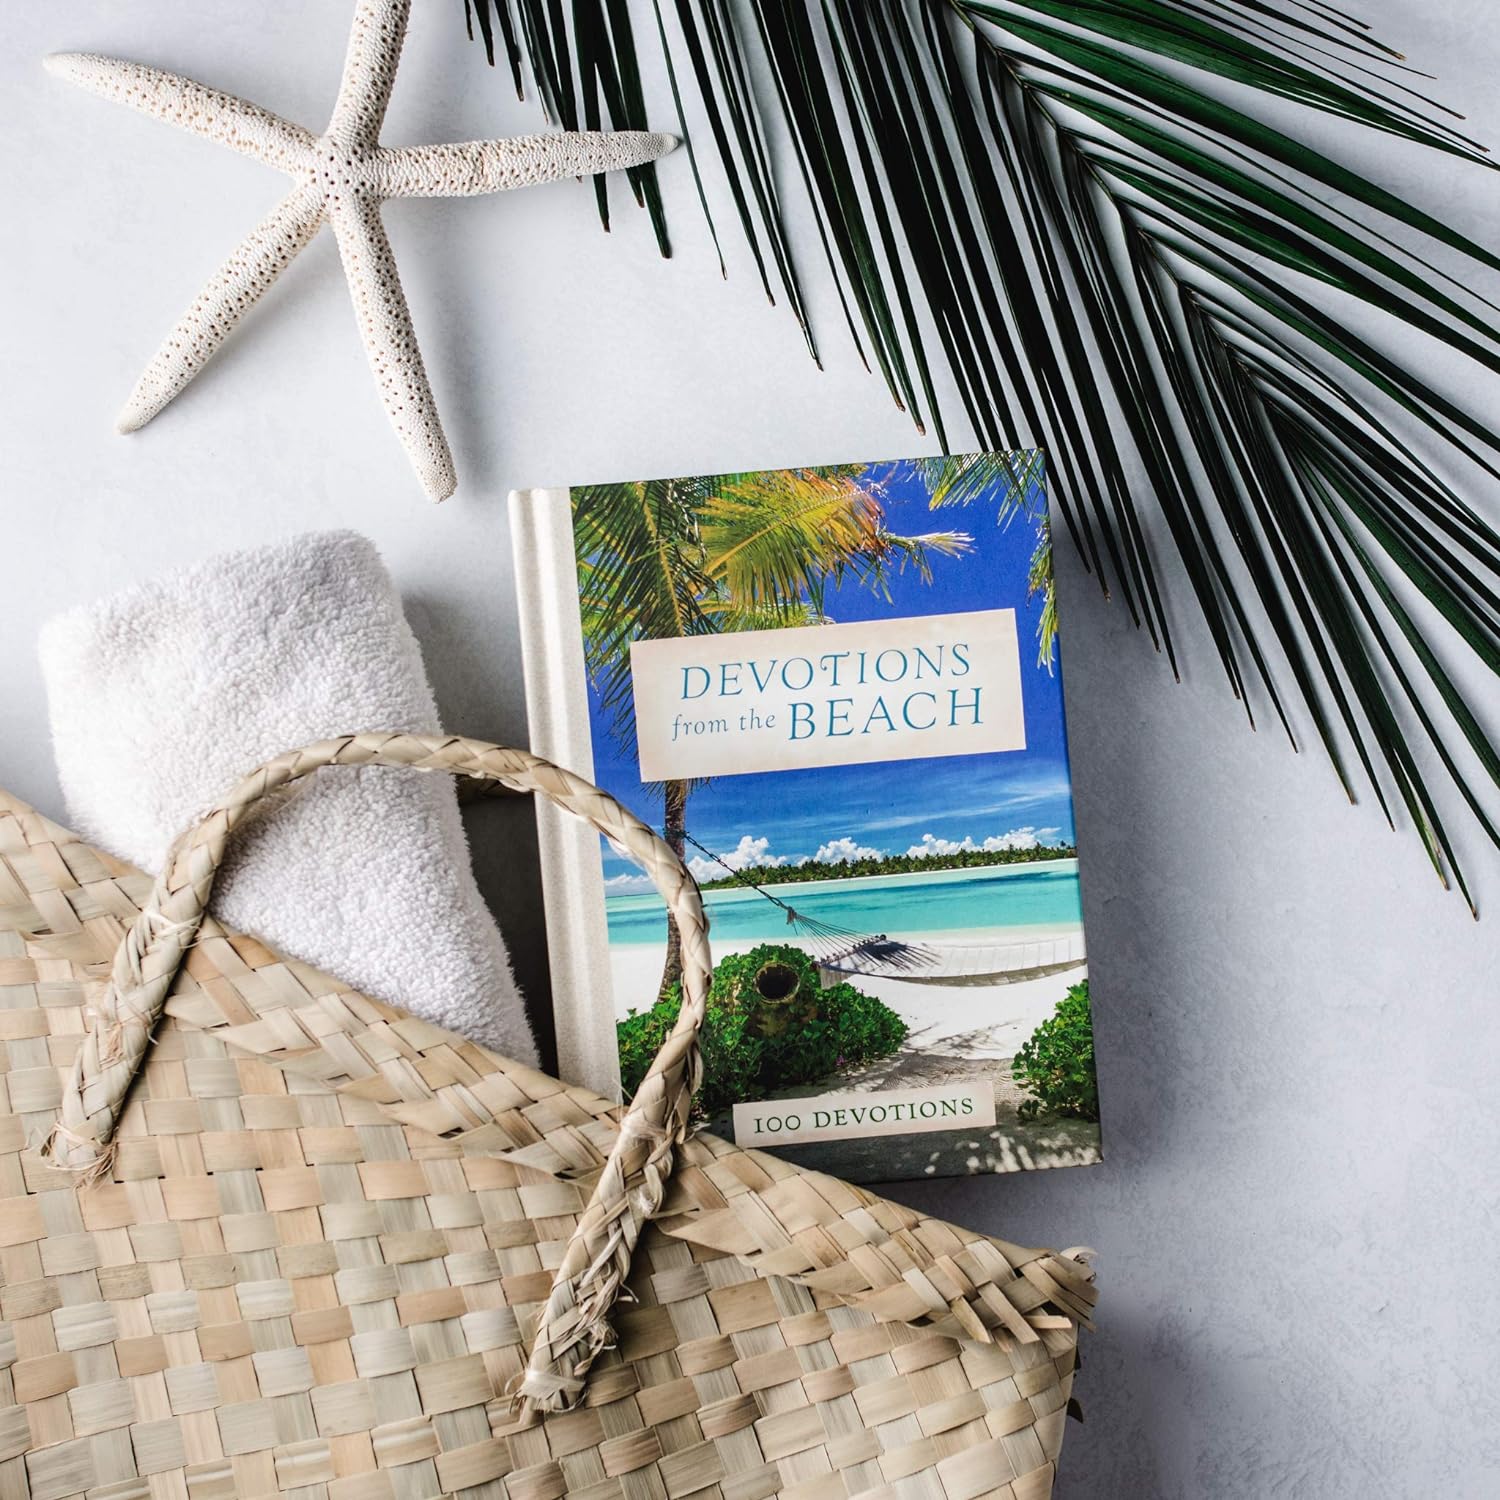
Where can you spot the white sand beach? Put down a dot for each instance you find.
(957, 1031)
(985, 1021)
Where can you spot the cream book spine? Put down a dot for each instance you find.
(546, 574)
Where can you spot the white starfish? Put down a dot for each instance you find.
(340, 178)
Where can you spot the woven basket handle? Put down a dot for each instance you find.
(572, 1328)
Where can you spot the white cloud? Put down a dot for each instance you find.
(844, 848)
(627, 885)
(1018, 838)
(748, 854)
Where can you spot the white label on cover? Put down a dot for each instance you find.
(828, 695)
(844, 1117)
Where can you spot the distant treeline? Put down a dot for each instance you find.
(894, 864)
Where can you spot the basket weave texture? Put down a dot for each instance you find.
(311, 1245)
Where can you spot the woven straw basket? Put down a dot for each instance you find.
(263, 1236)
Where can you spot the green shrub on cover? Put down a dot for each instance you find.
(753, 1045)
(1057, 1064)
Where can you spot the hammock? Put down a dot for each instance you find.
(839, 952)
(957, 963)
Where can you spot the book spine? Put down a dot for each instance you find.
(546, 573)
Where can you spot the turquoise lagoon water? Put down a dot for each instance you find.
(898, 905)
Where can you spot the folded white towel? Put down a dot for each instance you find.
(162, 696)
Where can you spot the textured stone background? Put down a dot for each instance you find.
(1297, 1028)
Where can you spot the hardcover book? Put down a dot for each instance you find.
(836, 692)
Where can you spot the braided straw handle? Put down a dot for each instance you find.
(572, 1328)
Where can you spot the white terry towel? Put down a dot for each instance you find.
(161, 697)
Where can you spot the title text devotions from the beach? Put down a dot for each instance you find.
(827, 695)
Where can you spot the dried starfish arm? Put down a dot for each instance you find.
(375, 40)
(244, 278)
(340, 176)
(467, 168)
(175, 100)
(390, 341)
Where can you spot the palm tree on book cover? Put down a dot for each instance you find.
(669, 558)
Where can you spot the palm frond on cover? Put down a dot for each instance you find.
(1122, 259)
(684, 557)
(1013, 484)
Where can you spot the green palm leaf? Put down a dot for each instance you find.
(1122, 260)
(1018, 480)
(682, 557)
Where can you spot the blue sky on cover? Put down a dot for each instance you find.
(890, 807)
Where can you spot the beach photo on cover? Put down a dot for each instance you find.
(837, 692)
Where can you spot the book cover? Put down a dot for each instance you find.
(837, 692)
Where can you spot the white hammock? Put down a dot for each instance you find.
(959, 963)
